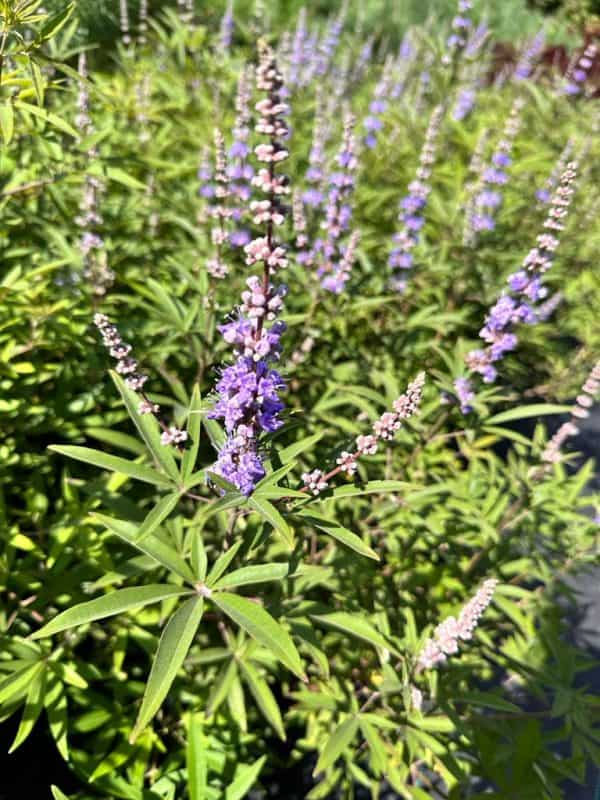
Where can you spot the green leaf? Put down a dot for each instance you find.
(57, 794)
(32, 708)
(221, 686)
(257, 573)
(263, 696)
(113, 463)
(371, 487)
(19, 680)
(523, 412)
(158, 515)
(355, 626)
(245, 779)
(222, 562)
(173, 647)
(151, 546)
(38, 81)
(7, 121)
(55, 703)
(262, 627)
(339, 740)
(52, 119)
(341, 534)
(215, 432)
(487, 700)
(148, 428)
(293, 450)
(376, 746)
(197, 767)
(120, 176)
(199, 558)
(269, 513)
(107, 606)
(193, 428)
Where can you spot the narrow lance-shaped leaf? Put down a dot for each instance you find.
(336, 744)
(268, 512)
(113, 463)
(222, 562)
(257, 573)
(245, 779)
(197, 767)
(263, 696)
(173, 647)
(31, 710)
(158, 514)
(341, 534)
(148, 428)
(193, 428)
(107, 606)
(355, 626)
(262, 627)
(151, 545)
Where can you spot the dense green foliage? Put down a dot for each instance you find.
(228, 639)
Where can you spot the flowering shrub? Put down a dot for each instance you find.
(321, 529)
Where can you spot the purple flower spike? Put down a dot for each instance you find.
(524, 288)
(411, 222)
(248, 390)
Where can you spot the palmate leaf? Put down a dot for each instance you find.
(107, 606)
(262, 627)
(173, 647)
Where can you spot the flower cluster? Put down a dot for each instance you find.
(488, 197)
(143, 22)
(372, 122)
(219, 210)
(577, 76)
(451, 632)
(91, 244)
(248, 390)
(333, 258)
(525, 287)
(544, 195)
(328, 44)
(133, 377)
(464, 103)
(124, 22)
(413, 205)
(239, 172)
(580, 410)
(227, 26)
(313, 196)
(384, 429)
(461, 27)
(529, 57)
